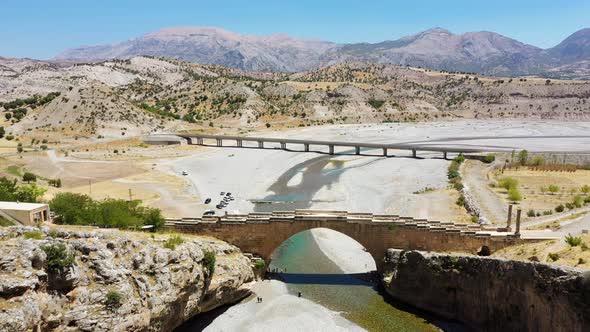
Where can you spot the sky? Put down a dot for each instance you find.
(41, 29)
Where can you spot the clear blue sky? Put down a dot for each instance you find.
(43, 28)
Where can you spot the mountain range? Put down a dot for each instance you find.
(482, 52)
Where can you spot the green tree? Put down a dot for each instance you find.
(553, 189)
(2, 132)
(29, 177)
(29, 193)
(153, 217)
(59, 258)
(523, 157)
(514, 195)
(74, 209)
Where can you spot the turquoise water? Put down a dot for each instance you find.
(313, 274)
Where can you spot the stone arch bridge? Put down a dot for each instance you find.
(262, 233)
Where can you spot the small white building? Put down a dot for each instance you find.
(30, 214)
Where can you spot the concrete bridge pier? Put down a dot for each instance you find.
(261, 144)
(219, 142)
(200, 141)
(413, 153)
(445, 155)
(384, 152)
(306, 147)
(357, 150)
(331, 148)
(283, 145)
(239, 143)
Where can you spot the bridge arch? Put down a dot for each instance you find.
(262, 233)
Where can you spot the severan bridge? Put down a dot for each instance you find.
(199, 139)
(262, 233)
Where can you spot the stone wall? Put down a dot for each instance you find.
(159, 287)
(491, 294)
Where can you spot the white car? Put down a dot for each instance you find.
(184, 173)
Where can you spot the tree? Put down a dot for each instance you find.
(523, 157)
(514, 195)
(153, 217)
(29, 193)
(73, 209)
(553, 189)
(2, 132)
(29, 177)
(59, 259)
(19, 147)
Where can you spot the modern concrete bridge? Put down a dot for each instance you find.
(220, 140)
(262, 233)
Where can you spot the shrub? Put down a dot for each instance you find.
(35, 235)
(586, 199)
(553, 189)
(53, 233)
(585, 189)
(461, 201)
(514, 195)
(573, 241)
(460, 158)
(508, 183)
(9, 137)
(260, 264)
(173, 241)
(453, 174)
(538, 161)
(531, 213)
(267, 125)
(113, 300)
(490, 158)
(570, 206)
(553, 256)
(559, 208)
(209, 261)
(376, 103)
(59, 258)
(547, 213)
(578, 201)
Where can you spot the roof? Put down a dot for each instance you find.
(21, 206)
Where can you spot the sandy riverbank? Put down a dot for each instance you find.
(279, 311)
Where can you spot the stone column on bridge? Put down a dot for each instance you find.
(517, 231)
(445, 155)
(384, 152)
(413, 153)
(200, 140)
(357, 150)
(509, 220)
(219, 142)
(283, 145)
(331, 148)
(239, 143)
(306, 147)
(261, 144)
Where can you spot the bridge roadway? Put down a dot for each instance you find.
(262, 233)
(414, 147)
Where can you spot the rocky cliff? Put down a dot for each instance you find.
(119, 281)
(491, 294)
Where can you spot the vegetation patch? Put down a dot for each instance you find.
(35, 235)
(173, 241)
(209, 261)
(59, 258)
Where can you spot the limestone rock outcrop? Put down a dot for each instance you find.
(155, 288)
(491, 294)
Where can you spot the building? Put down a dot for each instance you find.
(25, 213)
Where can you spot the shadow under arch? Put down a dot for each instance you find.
(299, 259)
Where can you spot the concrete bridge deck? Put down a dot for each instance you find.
(414, 147)
(262, 233)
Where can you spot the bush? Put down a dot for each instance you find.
(586, 199)
(559, 208)
(35, 235)
(173, 241)
(490, 158)
(553, 256)
(59, 259)
(508, 183)
(113, 300)
(460, 158)
(585, 189)
(260, 264)
(523, 157)
(461, 201)
(531, 213)
(514, 195)
(573, 241)
(9, 137)
(570, 206)
(578, 201)
(538, 161)
(209, 261)
(553, 189)
(548, 212)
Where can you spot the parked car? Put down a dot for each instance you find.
(184, 173)
(218, 206)
(208, 200)
(222, 193)
(209, 212)
(228, 194)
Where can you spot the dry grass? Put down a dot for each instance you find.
(530, 184)
(567, 255)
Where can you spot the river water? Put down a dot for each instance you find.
(313, 274)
